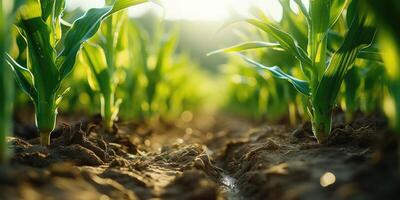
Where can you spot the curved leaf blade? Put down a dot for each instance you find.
(370, 56)
(286, 41)
(336, 9)
(300, 85)
(359, 37)
(247, 46)
(41, 55)
(94, 57)
(303, 10)
(122, 4)
(23, 77)
(83, 29)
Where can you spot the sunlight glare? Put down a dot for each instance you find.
(327, 179)
(84, 4)
(194, 10)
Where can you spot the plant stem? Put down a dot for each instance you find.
(321, 124)
(6, 84)
(108, 94)
(292, 114)
(46, 115)
(6, 105)
(45, 138)
(107, 102)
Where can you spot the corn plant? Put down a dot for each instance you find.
(100, 55)
(254, 94)
(155, 76)
(152, 59)
(51, 54)
(178, 92)
(372, 88)
(363, 89)
(387, 13)
(7, 11)
(132, 89)
(272, 99)
(154, 72)
(323, 73)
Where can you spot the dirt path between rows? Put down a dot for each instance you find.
(205, 158)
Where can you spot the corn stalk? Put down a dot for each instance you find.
(39, 23)
(7, 11)
(388, 13)
(100, 56)
(323, 75)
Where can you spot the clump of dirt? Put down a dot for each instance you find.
(73, 146)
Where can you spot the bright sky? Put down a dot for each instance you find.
(205, 10)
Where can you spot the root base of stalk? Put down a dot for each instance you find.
(45, 139)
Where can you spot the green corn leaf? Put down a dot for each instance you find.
(247, 46)
(57, 11)
(359, 36)
(47, 7)
(352, 83)
(303, 10)
(388, 14)
(370, 55)
(319, 13)
(83, 29)
(337, 8)
(317, 39)
(144, 52)
(7, 15)
(23, 77)
(94, 57)
(31, 9)
(122, 4)
(41, 56)
(166, 50)
(285, 40)
(295, 24)
(300, 85)
(61, 96)
(116, 107)
(288, 43)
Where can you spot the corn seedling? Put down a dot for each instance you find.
(131, 89)
(155, 77)
(387, 13)
(83, 99)
(323, 73)
(159, 73)
(153, 58)
(100, 55)
(253, 94)
(272, 98)
(154, 71)
(178, 92)
(363, 89)
(51, 54)
(7, 11)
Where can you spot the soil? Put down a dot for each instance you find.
(209, 157)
